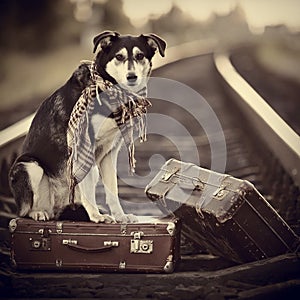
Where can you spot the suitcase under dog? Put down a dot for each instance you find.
(151, 246)
(226, 216)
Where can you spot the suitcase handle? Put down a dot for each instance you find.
(88, 249)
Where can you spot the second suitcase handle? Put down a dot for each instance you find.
(107, 247)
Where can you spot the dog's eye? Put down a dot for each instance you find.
(140, 56)
(120, 57)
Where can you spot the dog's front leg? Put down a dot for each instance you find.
(87, 196)
(108, 171)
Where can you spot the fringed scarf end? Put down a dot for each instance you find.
(73, 184)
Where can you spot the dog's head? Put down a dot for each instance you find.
(126, 59)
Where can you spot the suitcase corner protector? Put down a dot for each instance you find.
(171, 228)
(12, 225)
(169, 267)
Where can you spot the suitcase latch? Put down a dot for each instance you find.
(137, 245)
(42, 244)
(169, 173)
(221, 192)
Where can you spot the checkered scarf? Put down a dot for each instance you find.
(127, 108)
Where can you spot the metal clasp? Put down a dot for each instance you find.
(169, 173)
(41, 244)
(198, 183)
(122, 265)
(59, 262)
(140, 246)
(137, 234)
(59, 227)
(111, 243)
(69, 242)
(221, 192)
(123, 229)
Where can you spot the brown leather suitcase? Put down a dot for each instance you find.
(224, 215)
(150, 246)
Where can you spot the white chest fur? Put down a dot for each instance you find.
(108, 135)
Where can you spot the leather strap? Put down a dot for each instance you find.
(88, 249)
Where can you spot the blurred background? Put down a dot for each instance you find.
(42, 41)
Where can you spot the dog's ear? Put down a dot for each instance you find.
(155, 42)
(104, 39)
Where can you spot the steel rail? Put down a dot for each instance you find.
(15, 131)
(281, 139)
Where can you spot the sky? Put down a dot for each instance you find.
(259, 13)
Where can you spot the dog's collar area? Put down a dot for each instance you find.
(142, 92)
(103, 85)
(121, 102)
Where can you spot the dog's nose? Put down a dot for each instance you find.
(131, 77)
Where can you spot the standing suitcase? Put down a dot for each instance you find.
(224, 215)
(66, 245)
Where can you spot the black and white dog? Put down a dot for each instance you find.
(38, 177)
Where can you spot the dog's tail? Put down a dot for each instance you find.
(20, 186)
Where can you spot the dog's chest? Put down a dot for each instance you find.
(107, 134)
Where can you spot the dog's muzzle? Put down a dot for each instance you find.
(131, 78)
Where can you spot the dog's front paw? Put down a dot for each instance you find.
(126, 218)
(99, 218)
(39, 215)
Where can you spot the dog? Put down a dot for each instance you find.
(39, 177)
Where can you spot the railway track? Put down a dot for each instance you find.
(218, 124)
